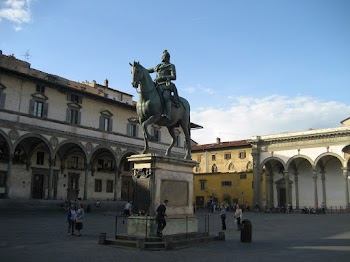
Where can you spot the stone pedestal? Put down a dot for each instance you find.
(159, 178)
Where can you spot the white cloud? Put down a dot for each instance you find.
(16, 11)
(190, 90)
(199, 88)
(249, 116)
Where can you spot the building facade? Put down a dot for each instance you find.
(60, 138)
(224, 173)
(303, 168)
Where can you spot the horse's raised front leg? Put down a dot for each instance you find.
(147, 135)
(171, 130)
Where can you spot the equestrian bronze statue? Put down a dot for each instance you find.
(151, 107)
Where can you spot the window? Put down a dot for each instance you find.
(3, 178)
(213, 157)
(178, 140)
(132, 129)
(108, 165)
(231, 166)
(199, 158)
(156, 134)
(214, 169)
(242, 154)
(243, 176)
(106, 121)
(127, 165)
(249, 165)
(75, 98)
(226, 183)
(38, 108)
(40, 89)
(227, 156)
(106, 124)
(109, 188)
(202, 184)
(98, 185)
(75, 163)
(73, 116)
(40, 158)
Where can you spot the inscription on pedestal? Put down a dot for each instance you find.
(142, 195)
(175, 191)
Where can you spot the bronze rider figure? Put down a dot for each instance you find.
(165, 73)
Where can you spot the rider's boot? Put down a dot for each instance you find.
(167, 109)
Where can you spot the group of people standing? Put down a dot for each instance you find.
(238, 217)
(75, 218)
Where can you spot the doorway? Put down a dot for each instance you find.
(282, 201)
(38, 187)
(73, 186)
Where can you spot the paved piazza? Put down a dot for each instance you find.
(40, 235)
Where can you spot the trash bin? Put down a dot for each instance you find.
(102, 238)
(246, 231)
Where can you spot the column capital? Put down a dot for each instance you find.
(52, 162)
(345, 171)
(88, 166)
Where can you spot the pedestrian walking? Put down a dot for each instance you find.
(238, 216)
(127, 210)
(161, 217)
(223, 217)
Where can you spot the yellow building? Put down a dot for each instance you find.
(224, 173)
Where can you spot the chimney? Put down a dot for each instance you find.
(106, 83)
(218, 140)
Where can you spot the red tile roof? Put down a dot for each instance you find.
(239, 143)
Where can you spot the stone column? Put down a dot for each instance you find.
(9, 176)
(286, 180)
(272, 190)
(87, 168)
(346, 174)
(52, 164)
(296, 181)
(323, 179)
(314, 176)
(257, 197)
(116, 175)
(268, 191)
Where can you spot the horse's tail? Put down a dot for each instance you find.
(187, 108)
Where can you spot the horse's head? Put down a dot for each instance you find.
(137, 74)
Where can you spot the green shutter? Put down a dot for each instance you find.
(128, 129)
(31, 107)
(110, 127)
(79, 118)
(102, 123)
(45, 109)
(69, 120)
(2, 100)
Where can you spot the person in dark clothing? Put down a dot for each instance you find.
(161, 217)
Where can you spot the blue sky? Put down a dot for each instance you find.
(253, 67)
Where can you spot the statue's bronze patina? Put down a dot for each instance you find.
(150, 104)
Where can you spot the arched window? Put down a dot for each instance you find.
(214, 169)
(249, 165)
(231, 166)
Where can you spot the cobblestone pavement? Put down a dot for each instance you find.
(41, 235)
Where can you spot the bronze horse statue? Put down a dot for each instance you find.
(149, 110)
